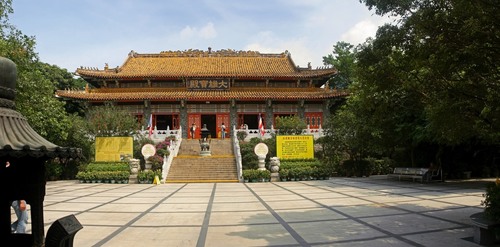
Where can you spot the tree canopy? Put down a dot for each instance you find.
(445, 54)
(36, 84)
(343, 59)
(431, 78)
(108, 120)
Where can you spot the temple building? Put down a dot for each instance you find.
(182, 88)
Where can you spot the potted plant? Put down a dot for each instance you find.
(264, 175)
(156, 161)
(283, 174)
(292, 174)
(141, 177)
(248, 175)
(81, 177)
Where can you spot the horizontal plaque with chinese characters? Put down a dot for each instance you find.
(208, 84)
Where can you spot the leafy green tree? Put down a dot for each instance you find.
(428, 80)
(62, 79)
(290, 125)
(35, 94)
(343, 59)
(447, 53)
(108, 120)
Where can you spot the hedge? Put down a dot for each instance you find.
(104, 172)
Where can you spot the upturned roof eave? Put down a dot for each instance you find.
(19, 139)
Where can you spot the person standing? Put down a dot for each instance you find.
(19, 226)
(19, 206)
(223, 131)
(192, 130)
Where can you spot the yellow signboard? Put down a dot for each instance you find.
(295, 147)
(110, 148)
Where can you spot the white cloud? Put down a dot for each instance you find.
(267, 42)
(358, 33)
(187, 32)
(206, 32)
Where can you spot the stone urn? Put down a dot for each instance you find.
(205, 147)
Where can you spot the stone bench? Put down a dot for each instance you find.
(484, 233)
(409, 172)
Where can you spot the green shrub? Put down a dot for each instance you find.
(249, 174)
(241, 135)
(103, 176)
(156, 162)
(381, 166)
(284, 174)
(263, 175)
(107, 166)
(358, 168)
(491, 201)
(248, 157)
(53, 170)
(148, 176)
(104, 171)
(290, 125)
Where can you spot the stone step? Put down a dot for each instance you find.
(189, 166)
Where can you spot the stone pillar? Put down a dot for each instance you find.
(183, 121)
(301, 109)
(233, 117)
(262, 162)
(269, 114)
(146, 111)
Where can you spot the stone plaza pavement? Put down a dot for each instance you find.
(373, 211)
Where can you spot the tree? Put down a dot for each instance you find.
(343, 59)
(62, 79)
(35, 93)
(108, 120)
(292, 125)
(447, 54)
(429, 79)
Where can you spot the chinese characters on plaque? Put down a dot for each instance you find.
(210, 84)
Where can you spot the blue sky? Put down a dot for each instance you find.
(90, 33)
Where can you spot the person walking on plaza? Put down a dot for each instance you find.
(223, 131)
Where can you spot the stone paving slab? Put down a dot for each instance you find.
(373, 211)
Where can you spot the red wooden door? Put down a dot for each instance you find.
(314, 119)
(223, 118)
(196, 120)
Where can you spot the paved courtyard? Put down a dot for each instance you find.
(371, 211)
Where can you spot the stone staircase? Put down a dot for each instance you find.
(190, 167)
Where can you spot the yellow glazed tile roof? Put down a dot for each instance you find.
(206, 64)
(105, 94)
